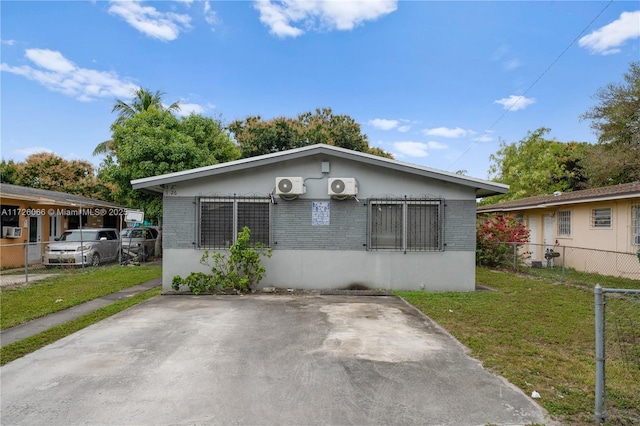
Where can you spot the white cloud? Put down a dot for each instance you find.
(512, 64)
(165, 26)
(608, 39)
(210, 15)
(285, 18)
(404, 128)
(383, 124)
(436, 145)
(8, 42)
(514, 102)
(58, 74)
(186, 109)
(445, 132)
(411, 149)
(485, 137)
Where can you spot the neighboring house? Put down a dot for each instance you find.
(333, 217)
(606, 218)
(38, 215)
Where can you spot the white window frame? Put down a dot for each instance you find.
(601, 218)
(563, 228)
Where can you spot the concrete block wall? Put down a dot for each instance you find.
(291, 227)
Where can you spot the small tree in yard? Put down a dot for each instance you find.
(492, 232)
(239, 269)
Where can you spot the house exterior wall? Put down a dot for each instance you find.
(335, 255)
(13, 249)
(584, 236)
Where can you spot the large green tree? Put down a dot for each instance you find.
(142, 100)
(256, 136)
(616, 122)
(537, 166)
(46, 170)
(155, 142)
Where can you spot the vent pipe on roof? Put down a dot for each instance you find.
(555, 194)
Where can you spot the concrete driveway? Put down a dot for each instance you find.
(259, 360)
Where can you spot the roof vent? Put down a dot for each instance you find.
(555, 194)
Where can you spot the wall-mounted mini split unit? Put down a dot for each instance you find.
(11, 232)
(289, 186)
(343, 187)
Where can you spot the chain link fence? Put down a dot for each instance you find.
(617, 323)
(573, 265)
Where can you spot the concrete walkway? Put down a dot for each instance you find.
(31, 328)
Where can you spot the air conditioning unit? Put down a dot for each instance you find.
(11, 232)
(343, 186)
(290, 186)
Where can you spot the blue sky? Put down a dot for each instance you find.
(432, 82)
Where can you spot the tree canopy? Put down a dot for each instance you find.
(143, 100)
(616, 122)
(46, 170)
(538, 166)
(155, 142)
(256, 136)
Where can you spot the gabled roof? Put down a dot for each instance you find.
(616, 192)
(44, 196)
(483, 188)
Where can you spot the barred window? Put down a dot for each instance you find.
(222, 218)
(564, 223)
(601, 218)
(635, 224)
(405, 225)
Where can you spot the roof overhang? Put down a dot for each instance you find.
(156, 184)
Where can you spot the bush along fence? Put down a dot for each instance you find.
(617, 354)
(562, 263)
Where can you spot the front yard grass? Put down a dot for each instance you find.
(70, 288)
(540, 336)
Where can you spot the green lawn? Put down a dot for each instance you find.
(68, 289)
(540, 336)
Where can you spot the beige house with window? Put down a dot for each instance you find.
(32, 217)
(606, 219)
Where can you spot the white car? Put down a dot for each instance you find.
(90, 246)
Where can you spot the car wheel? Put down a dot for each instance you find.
(95, 259)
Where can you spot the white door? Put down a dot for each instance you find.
(548, 231)
(35, 238)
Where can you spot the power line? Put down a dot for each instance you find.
(490, 128)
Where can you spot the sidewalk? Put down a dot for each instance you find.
(38, 325)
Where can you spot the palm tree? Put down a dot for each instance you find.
(143, 100)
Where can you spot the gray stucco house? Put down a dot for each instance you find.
(332, 216)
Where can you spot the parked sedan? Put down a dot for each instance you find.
(86, 246)
(140, 241)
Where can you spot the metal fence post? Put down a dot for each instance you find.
(600, 354)
(564, 250)
(515, 256)
(26, 263)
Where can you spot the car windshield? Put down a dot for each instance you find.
(78, 236)
(131, 233)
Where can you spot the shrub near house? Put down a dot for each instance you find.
(492, 232)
